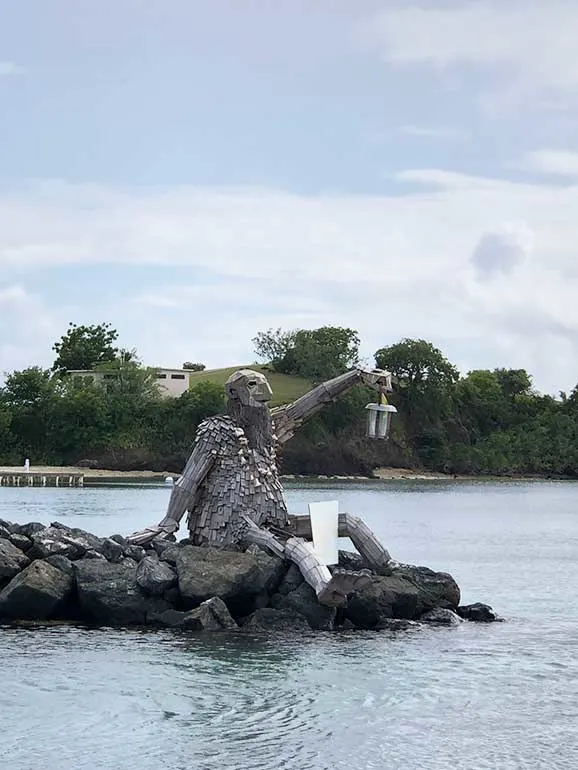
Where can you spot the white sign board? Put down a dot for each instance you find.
(324, 526)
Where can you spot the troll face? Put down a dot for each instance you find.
(249, 388)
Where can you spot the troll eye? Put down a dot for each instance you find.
(252, 383)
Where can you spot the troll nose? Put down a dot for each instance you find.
(263, 392)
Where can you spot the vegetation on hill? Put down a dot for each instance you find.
(285, 387)
(486, 422)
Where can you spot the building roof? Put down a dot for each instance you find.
(157, 368)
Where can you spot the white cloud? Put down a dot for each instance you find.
(389, 266)
(535, 40)
(444, 133)
(10, 68)
(27, 330)
(555, 162)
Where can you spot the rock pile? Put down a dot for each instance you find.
(63, 573)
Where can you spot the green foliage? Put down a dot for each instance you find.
(273, 346)
(192, 367)
(514, 382)
(420, 369)
(487, 422)
(79, 418)
(28, 388)
(56, 419)
(84, 347)
(131, 393)
(322, 353)
(27, 397)
(6, 437)
(425, 387)
(176, 420)
(315, 354)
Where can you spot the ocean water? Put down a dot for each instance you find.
(469, 698)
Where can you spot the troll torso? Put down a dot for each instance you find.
(241, 480)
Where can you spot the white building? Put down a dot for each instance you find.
(172, 382)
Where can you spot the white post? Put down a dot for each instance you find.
(324, 527)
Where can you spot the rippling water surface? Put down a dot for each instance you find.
(499, 696)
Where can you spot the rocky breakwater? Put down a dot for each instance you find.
(67, 574)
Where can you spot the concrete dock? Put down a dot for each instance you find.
(10, 478)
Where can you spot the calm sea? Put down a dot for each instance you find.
(500, 696)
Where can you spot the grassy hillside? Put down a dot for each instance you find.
(286, 388)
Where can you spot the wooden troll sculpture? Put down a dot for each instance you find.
(232, 491)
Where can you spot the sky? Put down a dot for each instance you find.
(197, 171)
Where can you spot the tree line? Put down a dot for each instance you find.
(486, 422)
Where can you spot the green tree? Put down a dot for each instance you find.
(417, 364)
(425, 388)
(80, 420)
(6, 436)
(194, 367)
(176, 419)
(30, 387)
(316, 354)
(273, 346)
(85, 347)
(514, 382)
(29, 395)
(481, 404)
(320, 354)
(132, 393)
(425, 378)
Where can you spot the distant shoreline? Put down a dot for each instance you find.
(95, 476)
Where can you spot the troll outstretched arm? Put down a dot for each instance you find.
(287, 419)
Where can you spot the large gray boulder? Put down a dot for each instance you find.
(135, 552)
(211, 615)
(154, 576)
(39, 592)
(5, 533)
(166, 618)
(108, 594)
(435, 589)
(20, 541)
(383, 598)
(28, 529)
(111, 551)
(63, 541)
(61, 563)
(291, 581)
(239, 579)
(302, 602)
(12, 560)
(478, 612)
(268, 619)
(74, 543)
(441, 617)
